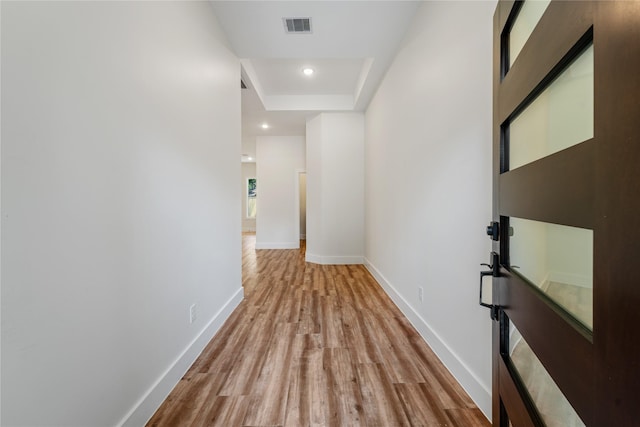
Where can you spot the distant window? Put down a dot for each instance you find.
(251, 198)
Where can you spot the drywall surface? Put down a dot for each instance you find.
(279, 160)
(315, 239)
(335, 188)
(120, 171)
(428, 183)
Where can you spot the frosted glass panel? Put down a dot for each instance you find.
(527, 19)
(561, 116)
(553, 406)
(559, 260)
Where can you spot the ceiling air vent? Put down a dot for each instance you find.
(297, 25)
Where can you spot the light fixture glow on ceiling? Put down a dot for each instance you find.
(265, 126)
(307, 71)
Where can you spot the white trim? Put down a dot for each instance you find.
(333, 260)
(144, 409)
(303, 237)
(278, 245)
(308, 102)
(479, 392)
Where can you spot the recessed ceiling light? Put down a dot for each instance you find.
(307, 71)
(265, 126)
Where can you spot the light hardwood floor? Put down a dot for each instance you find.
(315, 345)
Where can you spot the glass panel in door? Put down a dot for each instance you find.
(552, 405)
(527, 19)
(558, 260)
(559, 117)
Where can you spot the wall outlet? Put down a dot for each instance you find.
(192, 313)
(420, 293)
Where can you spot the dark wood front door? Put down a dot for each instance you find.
(567, 203)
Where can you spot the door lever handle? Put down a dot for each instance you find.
(493, 272)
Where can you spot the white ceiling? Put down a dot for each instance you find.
(350, 48)
(331, 76)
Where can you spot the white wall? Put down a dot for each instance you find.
(249, 146)
(279, 158)
(0, 221)
(120, 148)
(315, 174)
(335, 188)
(428, 183)
(248, 171)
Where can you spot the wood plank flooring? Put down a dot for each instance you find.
(315, 345)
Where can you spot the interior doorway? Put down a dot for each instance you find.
(302, 198)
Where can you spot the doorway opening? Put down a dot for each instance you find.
(302, 197)
(301, 210)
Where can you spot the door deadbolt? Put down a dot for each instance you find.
(493, 230)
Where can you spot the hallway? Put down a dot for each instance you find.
(315, 345)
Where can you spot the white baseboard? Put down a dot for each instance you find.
(278, 245)
(480, 393)
(144, 409)
(303, 237)
(333, 260)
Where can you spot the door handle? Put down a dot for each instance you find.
(493, 272)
